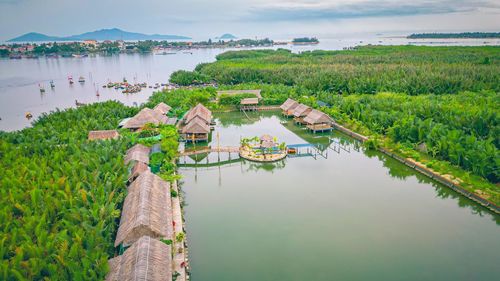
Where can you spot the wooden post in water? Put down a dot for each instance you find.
(218, 146)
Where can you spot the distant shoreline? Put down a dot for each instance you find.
(463, 35)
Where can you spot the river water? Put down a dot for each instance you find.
(337, 213)
(20, 80)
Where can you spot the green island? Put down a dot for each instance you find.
(62, 194)
(305, 40)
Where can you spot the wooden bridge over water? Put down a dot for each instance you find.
(226, 149)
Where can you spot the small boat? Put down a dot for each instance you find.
(81, 79)
(52, 85)
(97, 93)
(79, 103)
(70, 80)
(28, 115)
(15, 57)
(42, 89)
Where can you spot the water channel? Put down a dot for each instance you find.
(337, 212)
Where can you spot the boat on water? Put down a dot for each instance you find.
(81, 79)
(165, 53)
(79, 55)
(15, 57)
(42, 88)
(77, 103)
(52, 85)
(70, 80)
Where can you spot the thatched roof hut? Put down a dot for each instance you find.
(198, 111)
(103, 135)
(145, 116)
(147, 210)
(238, 92)
(147, 260)
(197, 125)
(301, 110)
(266, 137)
(249, 101)
(289, 104)
(317, 117)
(268, 144)
(139, 153)
(162, 107)
(137, 170)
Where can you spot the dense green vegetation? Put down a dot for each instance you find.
(476, 35)
(463, 129)
(445, 112)
(370, 69)
(61, 194)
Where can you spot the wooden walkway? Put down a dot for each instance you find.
(226, 149)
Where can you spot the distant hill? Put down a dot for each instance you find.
(103, 34)
(227, 36)
(478, 35)
(33, 36)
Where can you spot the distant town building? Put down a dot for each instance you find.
(90, 42)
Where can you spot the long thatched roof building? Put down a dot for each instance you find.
(239, 92)
(139, 153)
(145, 116)
(147, 210)
(103, 135)
(137, 170)
(146, 260)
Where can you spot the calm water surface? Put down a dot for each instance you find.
(20, 79)
(351, 215)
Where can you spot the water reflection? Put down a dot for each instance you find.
(318, 147)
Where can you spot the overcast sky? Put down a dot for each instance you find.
(279, 19)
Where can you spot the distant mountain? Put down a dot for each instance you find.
(33, 36)
(227, 36)
(103, 34)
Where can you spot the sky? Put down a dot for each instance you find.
(276, 19)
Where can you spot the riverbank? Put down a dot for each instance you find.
(446, 180)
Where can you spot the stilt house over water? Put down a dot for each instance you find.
(300, 112)
(288, 107)
(249, 104)
(318, 121)
(196, 130)
(147, 210)
(198, 111)
(147, 259)
(197, 124)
